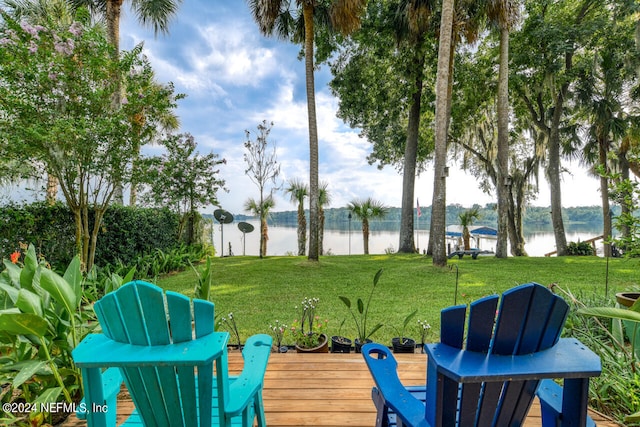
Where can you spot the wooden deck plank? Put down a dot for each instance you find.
(325, 390)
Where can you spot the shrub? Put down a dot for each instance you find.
(580, 248)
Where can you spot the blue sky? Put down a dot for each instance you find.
(234, 78)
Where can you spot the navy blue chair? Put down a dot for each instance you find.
(512, 352)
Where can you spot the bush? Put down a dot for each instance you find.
(126, 234)
(580, 248)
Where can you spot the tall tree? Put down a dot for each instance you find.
(297, 191)
(49, 13)
(393, 48)
(366, 210)
(153, 13)
(439, 203)
(296, 21)
(503, 14)
(262, 168)
(46, 100)
(544, 74)
(183, 180)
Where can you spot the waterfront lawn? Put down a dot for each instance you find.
(260, 291)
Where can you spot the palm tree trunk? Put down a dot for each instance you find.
(113, 12)
(407, 244)
(302, 230)
(503, 145)
(439, 205)
(264, 236)
(52, 189)
(365, 235)
(313, 131)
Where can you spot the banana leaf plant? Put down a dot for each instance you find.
(42, 319)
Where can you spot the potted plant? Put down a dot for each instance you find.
(402, 344)
(309, 336)
(362, 317)
(339, 343)
(277, 332)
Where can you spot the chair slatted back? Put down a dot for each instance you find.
(139, 313)
(530, 318)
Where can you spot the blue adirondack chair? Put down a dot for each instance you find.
(511, 354)
(164, 348)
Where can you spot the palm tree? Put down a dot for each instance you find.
(411, 24)
(298, 190)
(439, 204)
(466, 220)
(324, 199)
(261, 211)
(503, 14)
(295, 21)
(366, 210)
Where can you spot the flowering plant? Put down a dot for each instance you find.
(277, 330)
(425, 329)
(308, 331)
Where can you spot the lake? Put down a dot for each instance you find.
(283, 240)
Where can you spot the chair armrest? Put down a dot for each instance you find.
(243, 389)
(111, 383)
(383, 368)
(569, 358)
(97, 350)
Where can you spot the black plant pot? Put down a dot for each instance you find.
(358, 345)
(340, 344)
(404, 345)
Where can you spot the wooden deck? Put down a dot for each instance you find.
(325, 390)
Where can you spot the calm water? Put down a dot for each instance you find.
(283, 240)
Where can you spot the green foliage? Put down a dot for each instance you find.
(363, 312)
(597, 324)
(49, 228)
(57, 86)
(203, 288)
(41, 321)
(580, 248)
(127, 234)
(182, 180)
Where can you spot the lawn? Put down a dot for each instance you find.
(260, 291)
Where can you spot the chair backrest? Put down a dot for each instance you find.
(529, 318)
(142, 314)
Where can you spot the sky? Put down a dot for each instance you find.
(235, 78)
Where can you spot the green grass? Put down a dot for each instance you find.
(260, 291)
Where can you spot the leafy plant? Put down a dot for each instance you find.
(41, 322)
(613, 391)
(203, 287)
(580, 248)
(363, 312)
(407, 319)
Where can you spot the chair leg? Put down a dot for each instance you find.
(382, 415)
(259, 410)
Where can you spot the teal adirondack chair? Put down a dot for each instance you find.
(512, 353)
(164, 347)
